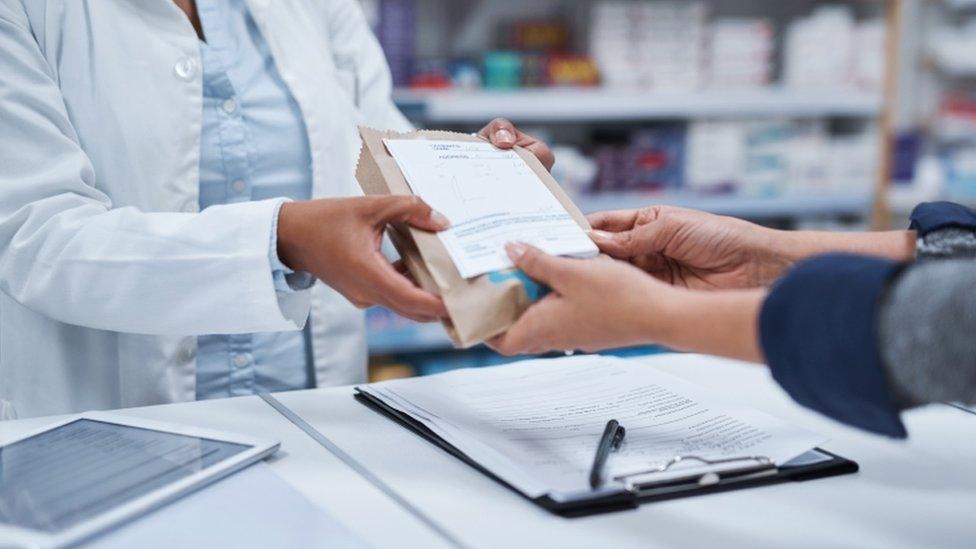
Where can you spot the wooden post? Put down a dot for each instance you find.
(880, 214)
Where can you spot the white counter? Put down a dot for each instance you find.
(920, 492)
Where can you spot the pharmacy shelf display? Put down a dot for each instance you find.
(729, 106)
(945, 107)
(689, 99)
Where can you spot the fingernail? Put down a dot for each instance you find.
(439, 219)
(601, 234)
(515, 250)
(504, 136)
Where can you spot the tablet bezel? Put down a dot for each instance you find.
(258, 450)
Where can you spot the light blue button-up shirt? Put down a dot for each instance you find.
(254, 146)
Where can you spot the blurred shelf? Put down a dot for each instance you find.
(960, 4)
(955, 62)
(953, 131)
(790, 206)
(902, 198)
(408, 338)
(596, 104)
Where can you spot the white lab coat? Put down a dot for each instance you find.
(107, 269)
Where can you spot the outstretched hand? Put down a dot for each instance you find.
(602, 303)
(692, 249)
(595, 304)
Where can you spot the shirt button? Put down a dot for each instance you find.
(229, 106)
(188, 354)
(186, 68)
(239, 185)
(241, 361)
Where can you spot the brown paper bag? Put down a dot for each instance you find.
(480, 307)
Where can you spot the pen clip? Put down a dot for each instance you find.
(610, 440)
(618, 437)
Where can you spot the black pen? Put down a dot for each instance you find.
(613, 435)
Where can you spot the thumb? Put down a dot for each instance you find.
(645, 239)
(619, 245)
(413, 211)
(501, 133)
(538, 265)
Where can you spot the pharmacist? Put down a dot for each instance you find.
(148, 250)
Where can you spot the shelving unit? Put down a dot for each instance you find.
(600, 106)
(938, 63)
(608, 105)
(756, 208)
(568, 112)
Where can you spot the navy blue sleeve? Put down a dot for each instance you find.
(818, 331)
(932, 216)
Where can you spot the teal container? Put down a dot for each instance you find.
(503, 70)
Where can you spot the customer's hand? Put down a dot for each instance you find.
(692, 249)
(338, 241)
(602, 303)
(595, 304)
(504, 135)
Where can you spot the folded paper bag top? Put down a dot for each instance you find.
(480, 307)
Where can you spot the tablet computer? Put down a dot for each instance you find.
(68, 481)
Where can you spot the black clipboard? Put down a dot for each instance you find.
(620, 501)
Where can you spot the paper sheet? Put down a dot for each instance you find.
(491, 197)
(536, 424)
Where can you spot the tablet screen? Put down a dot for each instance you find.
(58, 478)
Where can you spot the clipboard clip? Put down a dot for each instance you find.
(752, 466)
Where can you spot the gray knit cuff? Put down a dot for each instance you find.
(949, 242)
(925, 332)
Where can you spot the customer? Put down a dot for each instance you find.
(148, 151)
(850, 326)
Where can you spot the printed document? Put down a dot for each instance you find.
(536, 424)
(491, 197)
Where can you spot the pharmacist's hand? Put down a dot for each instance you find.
(504, 135)
(595, 304)
(692, 249)
(338, 241)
